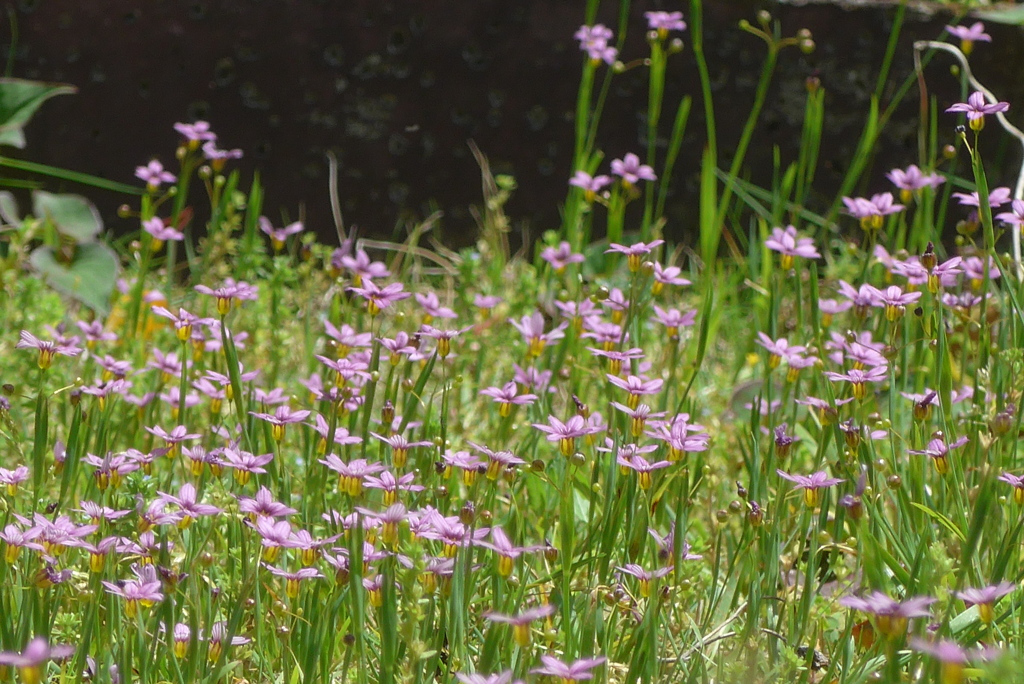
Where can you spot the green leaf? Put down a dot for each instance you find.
(19, 100)
(89, 278)
(9, 208)
(940, 518)
(1014, 16)
(72, 215)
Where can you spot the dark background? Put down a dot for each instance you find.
(396, 89)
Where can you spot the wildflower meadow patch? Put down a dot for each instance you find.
(785, 452)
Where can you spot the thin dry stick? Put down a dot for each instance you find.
(1018, 191)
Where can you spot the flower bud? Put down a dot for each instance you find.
(550, 553)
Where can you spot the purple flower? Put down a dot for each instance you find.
(380, 298)
(663, 22)
(521, 623)
(17, 539)
(161, 232)
(810, 484)
(951, 656)
(561, 256)
(37, 653)
(1014, 217)
(477, 678)
(507, 396)
(591, 185)
(997, 198)
(778, 349)
(229, 293)
(145, 589)
(497, 461)
(638, 416)
(400, 446)
(786, 243)
(533, 379)
(681, 435)
(532, 330)
(218, 635)
(283, 415)
(594, 41)
(871, 211)
(388, 484)
(507, 552)
(566, 433)
(274, 536)
(895, 301)
(673, 319)
(264, 505)
(153, 173)
(217, 157)
(176, 436)
(890, 616)
(293, 579)
(912, 180)
(635, 252)
(636, 386)
(666, 275)
(351, 474)
(47, 349)
(94, 332)
(12, 478)
(862, 297)
(463, 460)
(985, 598)
(443, 337)
(278, 236)
(858, 379)
(196, 132)
(631, 171)
(451, 532)
(938, 451)
(572, 672)
(397, 347)
(645, 577)
(432, 307)
(360, 266)
(1018, 486)
(973, 33)
(486, 302)
(976, 108)
(189, 507)
(183, 321)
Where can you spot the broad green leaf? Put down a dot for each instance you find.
(89, 278)
(72, 215)
(9, 208)
(1014, 16)
(19, 99)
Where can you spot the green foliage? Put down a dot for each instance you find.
(88, 276)
(19, 100)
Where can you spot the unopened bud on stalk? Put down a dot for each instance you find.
(550, 553)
